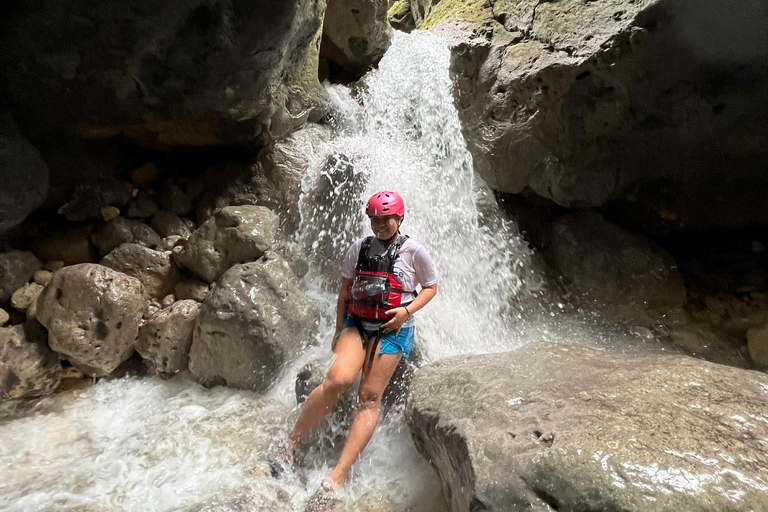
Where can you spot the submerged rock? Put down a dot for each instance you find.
(92, 314)
(155, 269)
(16, 269)
(234, 234)
(27, 366)
(253, 321)
(557, 427)
(166, 336)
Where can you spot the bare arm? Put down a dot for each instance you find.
(401, 314)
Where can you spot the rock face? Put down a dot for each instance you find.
(153, 268)
(185, 73)
(356, 34)
(626, 276)
(92, 314)
(253, 321)
(234, 234)
(166, 336)
(23, 174)
(27, 366)
(625, 103)
(556, 427)
(16, 269)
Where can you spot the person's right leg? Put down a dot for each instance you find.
(347, 364)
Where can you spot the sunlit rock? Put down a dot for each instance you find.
(16, 269)
(155, 269)
(27, 366)
(255, 319)
(234, 234)
(166, 336)
(92, 314)
(562, 427)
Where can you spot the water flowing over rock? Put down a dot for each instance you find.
(27, 366)
(185, 73)
(253, 321)
(166, 336)
(23, 173)
(356, 34)
(654, 105)
(153, 268)
(557, 427)
(624, 275)
(16, 269)
(92, 314)
(234, 234)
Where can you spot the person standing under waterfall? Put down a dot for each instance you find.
(374, 330)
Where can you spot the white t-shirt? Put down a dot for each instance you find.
(413, 267)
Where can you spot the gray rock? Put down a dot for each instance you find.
(254, 320)
(27, 366)
(557, 427)
(153, 268)
(92, 314)
(625, 276)
(70, 246)
(234, 234)
(124, 231)
(166, 336)
(191, 289)
(43, 277)
(185, 74)
(89, 198)
(174, 200)
(294, 255)
(757, 342)
(356, 33)
(23, 173)
(167, 224)
(16, 269)
(142, 206)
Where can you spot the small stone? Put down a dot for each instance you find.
(757, 247)
(53, 266)
(109, 212)
(4, 317)
(43, 277)
(142, 206)
(25, 296)
(168, 301)
(144, 175)
(191, 289)
(174, 199)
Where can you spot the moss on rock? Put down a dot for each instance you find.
(471, 11)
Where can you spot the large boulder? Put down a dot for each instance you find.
(557, 427)
(92, 314)
(27, 366)
(356, 33)
(16, 269)
(254, 320)
(587, 103)
(624, 275)
(183, 73)
(166, 336)
(234, 234)
(155, 269)
(23, 174)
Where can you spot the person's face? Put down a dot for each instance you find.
(385, 227)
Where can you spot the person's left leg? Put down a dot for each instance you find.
(372, 386)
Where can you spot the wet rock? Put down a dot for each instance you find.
(561, 427)
(400, 17)
(43, 277)
(191, 289)
(356, 33)
(71, 246)
(142, 206)
(4, 317)
(625, 276)
(757, 342)
(16, 269)
(27, 366)
(92, 314)
(125, 231)
(254, 320)
(294, 255)
(234, 234)
(25, 296)
(153, 268)
(167, 224)
(90, 198)
(191, 75)
(166, 336)
(23, 172)
(174, 200)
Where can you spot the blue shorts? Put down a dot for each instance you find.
(391, 342)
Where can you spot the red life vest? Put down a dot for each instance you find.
(374, 290)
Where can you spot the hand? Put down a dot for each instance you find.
(335, 341)
(399, 316)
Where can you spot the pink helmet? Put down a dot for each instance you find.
(385, 203)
